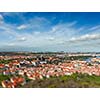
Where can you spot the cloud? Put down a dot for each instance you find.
(40, 20)
(10, 44)
(61, 42)
(50, 38)
(21, 39)
(95, 28)
(1, 19)
(71, 24)
(86, 37)
(63, 26)
(64, 30)
(21, 27)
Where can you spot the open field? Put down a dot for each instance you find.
(73, 81)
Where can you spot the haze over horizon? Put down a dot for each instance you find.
(50, 31)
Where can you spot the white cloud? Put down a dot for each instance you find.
(61, 42)
(64, 30)
(22, 27)
(21, 39)
(72, 24)
(36, 33)
(50, 38)
(95, 28)
(86, 37)
(11, 44)
(64, 26)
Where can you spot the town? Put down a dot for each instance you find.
(18, 69)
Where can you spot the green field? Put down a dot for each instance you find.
(73, 81)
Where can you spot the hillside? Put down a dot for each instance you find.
(73, 81)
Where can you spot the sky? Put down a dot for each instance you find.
(50, 31)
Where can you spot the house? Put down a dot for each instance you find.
(2, 65)
(7, 84)
(18, 80)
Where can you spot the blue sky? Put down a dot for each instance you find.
(45, 31)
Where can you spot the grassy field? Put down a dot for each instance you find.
(4, 77)
(73, 81)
